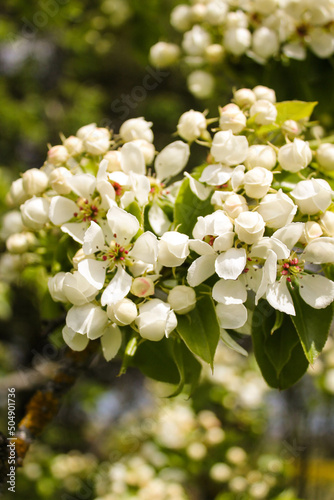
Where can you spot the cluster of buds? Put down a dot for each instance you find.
(215, 29)
(269, 220)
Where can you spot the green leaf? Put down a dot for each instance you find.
(311, 324)
(200, 330)
(188, 366)
(294, 110)
(188, 207)
(280, 356)
(156, 360)
(231, 343)
(134, 209)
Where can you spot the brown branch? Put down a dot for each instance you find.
(44, 404)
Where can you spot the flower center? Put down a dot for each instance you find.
(209, 238)
(119, 190)
(88, 211)
(156, 188)
(117, 254)
(290, 268)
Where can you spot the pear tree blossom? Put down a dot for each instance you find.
(153, 263)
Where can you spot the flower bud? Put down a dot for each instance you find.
(191, 125)
(244, 97)
(19, 242)
(228, 148)
(35, 181)
(237, 40)
(11, 223)
(216, 12)
(84, 131)
(181, 17)
(97, 142)
(325, 156)
(236, 19)
(249, 227)
(262, 92)
(291, 128)
(58, 155)
(214, 53)
(123, 312)
(114, 161)
(277, 209)
(232, 118)
(195, 41)
(142, 287)
(234, 205)
(265, 42)
(260, 155)
(164, 54)
(295, 156)
(312, 196)
(182, 299)
(73, 145)
(312, 230)
(257, 182)
(35, 213)
(55, 285)
(173, 249)
(17, 193)
(201, 84)
(327, 223)
(155, 320)
(264, 112)
(58, 180)
(136, 128)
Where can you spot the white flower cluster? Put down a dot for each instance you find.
(260, 29)
(261, 234)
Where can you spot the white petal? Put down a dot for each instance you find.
(141, 186)
(123, 224)
(201, 247)
(76, 230)
(229, 265)
(279, 297)
(171, 323)
(61, 210)
(118, 288)
(224, 242)
(94, 271)
(201, 269)
(87, 319)
(269, 274)
(93, 239)
(231, 316)
(111, 341)
(202, 192)
(74, 340)
(263, 247)
(290, 234)
(104, 187)
(320, 251)
(145, 248)
(317, 291)
(229, 292)
(158, 220)
(132, 159)
(171, 160)
(216, 175)
(83, 185)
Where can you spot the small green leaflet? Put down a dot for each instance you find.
(280, 355)
(200, 330)
(294, 110)
(311, 324)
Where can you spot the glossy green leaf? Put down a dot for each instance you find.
(311, 324)
(229, 341)
(280, 355)
(188, 366)
(188, 207)
(200, 330)
(294, 110)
